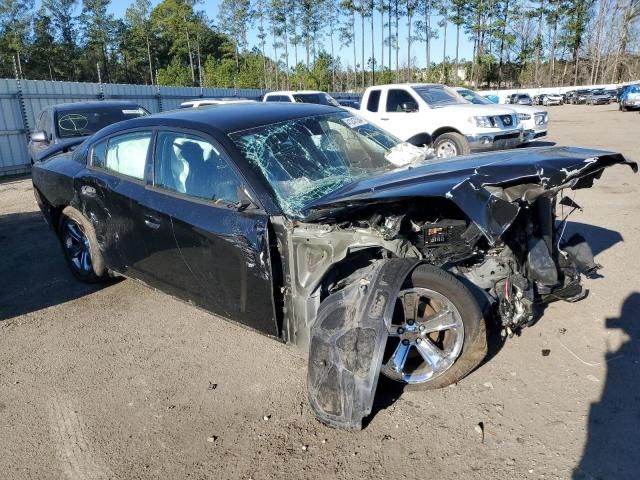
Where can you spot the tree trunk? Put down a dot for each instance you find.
(373, 51)
(355, 55)
(286, 52)
(381, 35)
(455, 76)
(444, 45)
(193, 71)
(389, 37)
(552, 53)
(149, 59)
(409, 71)
(397, 44)
(502, 35)
(362, 41)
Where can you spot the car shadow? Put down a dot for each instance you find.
(32, 267)
(599, 238)
(613, 426)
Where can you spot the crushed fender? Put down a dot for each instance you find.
(348, 341)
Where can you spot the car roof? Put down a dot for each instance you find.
(293, 92)
(227, 118)
(94, 104)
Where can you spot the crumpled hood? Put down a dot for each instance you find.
(489, 188)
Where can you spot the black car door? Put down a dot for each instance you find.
(110, 191)
(220, 256)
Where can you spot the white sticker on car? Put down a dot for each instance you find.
(353, 122)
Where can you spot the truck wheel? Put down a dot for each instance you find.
(80, 247)
(451, 145)
(437, 335)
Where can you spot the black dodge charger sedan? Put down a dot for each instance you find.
(310, 225)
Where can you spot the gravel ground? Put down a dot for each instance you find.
(125, 382)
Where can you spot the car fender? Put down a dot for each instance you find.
(348, 341)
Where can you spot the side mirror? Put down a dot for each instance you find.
(40, 136)
(244, 201)
(409, 107)
(421, 140)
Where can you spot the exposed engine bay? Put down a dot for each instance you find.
(532, 263)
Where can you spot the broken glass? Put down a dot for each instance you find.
(306, 158)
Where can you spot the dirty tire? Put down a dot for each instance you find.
(474, 348)
(98, 272)
(460, 143)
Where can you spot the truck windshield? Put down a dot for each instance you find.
(438, 95)
(473, 97)
(304, 159)
(319, 98)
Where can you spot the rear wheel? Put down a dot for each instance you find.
(80, 247)
(451, 144)
(437, 335)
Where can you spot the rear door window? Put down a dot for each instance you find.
(123, 154)
(374, 101)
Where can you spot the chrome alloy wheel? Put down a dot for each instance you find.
(446, 149)
(76, 247)
(425, 337)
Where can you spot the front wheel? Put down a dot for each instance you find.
(437, 335)
(451, 145)
(80, 247)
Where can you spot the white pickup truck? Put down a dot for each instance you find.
(409, 111)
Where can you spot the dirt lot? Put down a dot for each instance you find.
(125, 382)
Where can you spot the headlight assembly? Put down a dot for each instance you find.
(483, 122)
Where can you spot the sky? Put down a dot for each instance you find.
(118, 7)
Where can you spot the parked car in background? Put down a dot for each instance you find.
(520, 99)
(64, 123)
(568, 96)
(301, 96)
(349, 102)
(598, 97)
(201, 102)
(579, 97)
(552, 99)
(310, 225)
(417, 112)
(630, 98)
(613, 94)
(534, 120)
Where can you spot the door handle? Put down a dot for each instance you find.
(385, 118)
(151, 222)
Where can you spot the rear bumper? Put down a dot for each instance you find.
(495, 141)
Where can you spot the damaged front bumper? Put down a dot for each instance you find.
(510, 248)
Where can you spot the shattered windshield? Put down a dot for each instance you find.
(439, 95)
(473, 97)
(306, 158)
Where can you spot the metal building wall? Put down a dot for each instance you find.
(22, 100)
